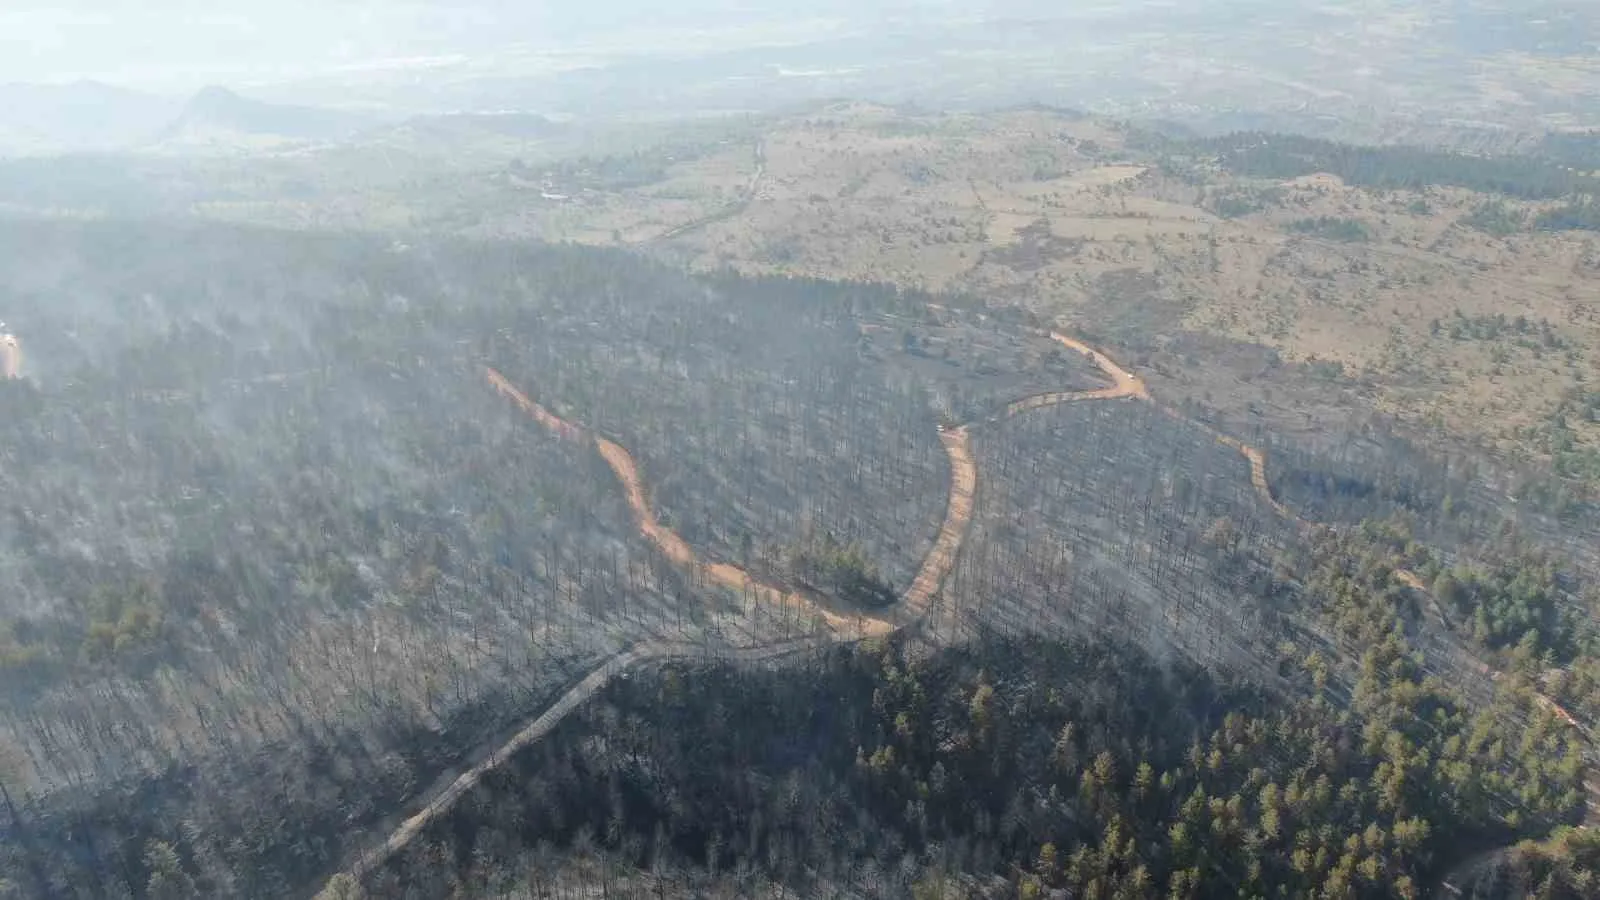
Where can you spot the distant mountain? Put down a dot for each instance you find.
(217, 116)
(83, 116)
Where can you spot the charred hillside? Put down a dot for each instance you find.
(427, 564)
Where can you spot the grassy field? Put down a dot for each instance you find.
(1441, 307)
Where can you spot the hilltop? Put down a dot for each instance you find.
(219, 118)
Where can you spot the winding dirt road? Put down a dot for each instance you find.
(1454, 881)
(941, 557)
(543, 416)
(732, 577)
(846, 625)
(1124, 383)
(1129, 385)
(674, 547)
(936, 565)
(914, 605)
(1252, 454)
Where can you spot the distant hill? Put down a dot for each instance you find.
(77, 117)
(217, 116)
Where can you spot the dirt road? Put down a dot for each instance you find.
(1127, 384)
(914, 605)
(541, 415)
(673, 547)
(547, 721)
(1453, 882)
(1252, 455)
(941, 558)
(666, 540)
(728, 212)
(1123, 383)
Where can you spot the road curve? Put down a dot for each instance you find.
(1129, 385)
(913, 607)
(676, 549)
(1126, 384)
(941, 557)
(1252, 455)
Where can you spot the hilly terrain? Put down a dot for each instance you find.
(1283, 276)
(1298, 283)
(370, 522)
(218, 118)
(851, 501)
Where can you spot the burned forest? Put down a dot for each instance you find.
(335, 566)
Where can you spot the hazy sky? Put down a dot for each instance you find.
(159, 41)
(179, 44)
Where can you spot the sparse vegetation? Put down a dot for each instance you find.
(1496, 218)
(1581, 215)
(1265, 155)
(843, 569)
(1534, 335)
(1240, 202)
(1574, 456)
(1332, 229)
